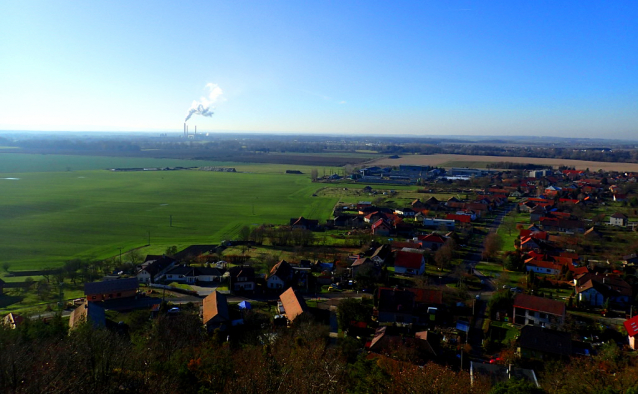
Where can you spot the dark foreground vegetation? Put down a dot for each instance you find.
(173, 354)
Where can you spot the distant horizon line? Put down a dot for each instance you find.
(317, 134)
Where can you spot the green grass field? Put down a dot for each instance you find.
(51, 217)
(12, 164)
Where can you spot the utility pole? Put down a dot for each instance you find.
(120, 255)
(149, 237)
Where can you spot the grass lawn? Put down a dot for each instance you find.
(16, 163)
(182, 286)
(504, 332)
(508, 239)
(49, 218)
(557, 294)
(495, 271)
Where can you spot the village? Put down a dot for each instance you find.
(494, 281)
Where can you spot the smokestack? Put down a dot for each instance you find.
(195, 129)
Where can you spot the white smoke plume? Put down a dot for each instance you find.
(204, 105)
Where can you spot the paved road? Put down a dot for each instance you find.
(475, 336)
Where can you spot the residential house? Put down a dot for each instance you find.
(88, 312)
(543, 343)
(242, 279)
(409, 263)
(439, 223)
(542, 267)
(536, 213)
(631, 326)
(396, 306)
(381, 228)
(593, 234)
(381, 254)
(192, 275)
(596, 290)
(405, 212)
(364, 204)
(460, 217)
(12, 320)
(154, 268)
(293, 304)
(111, 289)
(562, 225)
(302, 223)
(417, 205)
(280, 276)
(433, 242)
(630, 259)
(215, 312)
(618, 219)
(538, 311)
(362, 266)
(407, 305)
(387, 344)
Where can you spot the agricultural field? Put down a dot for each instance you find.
(51, 217)
(12, 164)
(449, 160)
(399, 196)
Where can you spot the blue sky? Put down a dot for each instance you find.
(559, 68)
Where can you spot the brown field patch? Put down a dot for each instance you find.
(449, 160)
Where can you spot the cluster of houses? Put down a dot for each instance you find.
(431, 213)
(543, 255)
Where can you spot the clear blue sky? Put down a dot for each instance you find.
(561, 68)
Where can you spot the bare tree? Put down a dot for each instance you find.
(509, 222)
(491, 246)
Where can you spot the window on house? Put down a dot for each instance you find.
(542, 315)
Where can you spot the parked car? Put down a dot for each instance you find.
(516, 290)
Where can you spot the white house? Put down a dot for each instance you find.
(280, 275)
(409, 263)
(618, 219)
(542, 267)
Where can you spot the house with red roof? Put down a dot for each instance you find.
(381, 227)
(538, 311)
(631, 326)
(292, 304)
(409, 263)
(542, 267)
(461, 218)
(433, 242)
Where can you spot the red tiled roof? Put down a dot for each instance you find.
(293, 304)
(540, 304)
(215, 305)
(427, 296)
(459, 218)
(631, 326)
(408, 260)
(432, 238)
